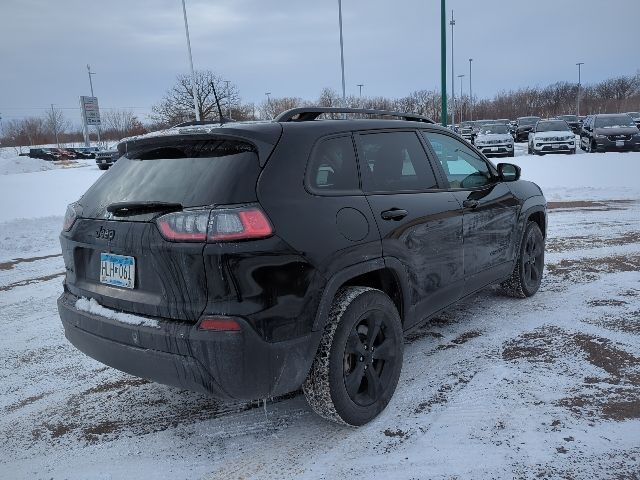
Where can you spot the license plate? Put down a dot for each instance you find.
(117, 270)
(103, 161)
(555, 146)
(619, 143)
(494, 149)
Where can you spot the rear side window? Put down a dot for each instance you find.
(192, 173)
(332, 169)
(394, 162)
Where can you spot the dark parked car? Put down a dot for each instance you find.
(43, 154)
(573, 121)
(465, 130)
(246, 260)
(106, 158)
(523, 126)
(635, 116)
(84, 152)
(609, 132)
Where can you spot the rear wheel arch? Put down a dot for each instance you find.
(386, 275)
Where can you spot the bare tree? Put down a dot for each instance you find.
(177, 105)
(56, 123)
(121, 123)
(272, 107)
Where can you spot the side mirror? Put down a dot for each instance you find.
(508, 172)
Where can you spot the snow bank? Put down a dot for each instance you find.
(597, 176)
(43, 194)
(93, 307)
(12, 165)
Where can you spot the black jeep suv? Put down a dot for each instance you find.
(246, 260)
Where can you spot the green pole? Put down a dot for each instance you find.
(443, 59)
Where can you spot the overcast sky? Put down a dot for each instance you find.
(291, 48)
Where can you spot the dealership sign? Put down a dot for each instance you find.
(90, 110)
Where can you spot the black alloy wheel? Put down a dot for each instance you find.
(526, 276)
(532, 260)
(359, 359)
(369, 357)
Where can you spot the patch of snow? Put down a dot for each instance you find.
(90, 305)
(13, 165)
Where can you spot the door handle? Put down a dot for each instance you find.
(470, 203)
(394, 214)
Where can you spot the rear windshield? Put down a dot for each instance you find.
(191, 173)
(615, 121)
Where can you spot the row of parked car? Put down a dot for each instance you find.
(598, 133)
(104, 157)
(53, 154)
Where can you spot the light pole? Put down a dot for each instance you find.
(579, 64)
(54, 124)
(268, 94)
(360, 85)
(470, 92)
(91, 87)
(453, 90)
(228, 99)
(461, 77)
(443, 62)
(344, 95)
(193, 76)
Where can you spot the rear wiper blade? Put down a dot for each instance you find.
(129, 208)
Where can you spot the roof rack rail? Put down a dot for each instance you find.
(305, 114)
(196, 123)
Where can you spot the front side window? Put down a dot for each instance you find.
(394, 162)
(463, 167)
(332, 169)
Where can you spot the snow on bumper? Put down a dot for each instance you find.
(237, 365)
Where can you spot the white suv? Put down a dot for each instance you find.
(552, 136)
(495, 140)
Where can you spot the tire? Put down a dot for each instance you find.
(591, 148)
(527, 273)
(346, 352)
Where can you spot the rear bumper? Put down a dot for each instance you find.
(228, 365)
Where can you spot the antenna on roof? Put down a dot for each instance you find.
(215, 95)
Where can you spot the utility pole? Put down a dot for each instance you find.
(360, 85)
(54, 124)
(91, 86)
(460, 102)
(453, 90)
(193, 76)
(344, 95)
(579, 64)
(228, 99)
(470, 92)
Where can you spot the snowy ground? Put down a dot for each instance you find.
(494, 388)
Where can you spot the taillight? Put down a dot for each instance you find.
(186, 226)
(70, 216)
(238, 224)
(216, 225)
(219, 324)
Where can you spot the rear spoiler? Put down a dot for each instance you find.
(263, 142)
